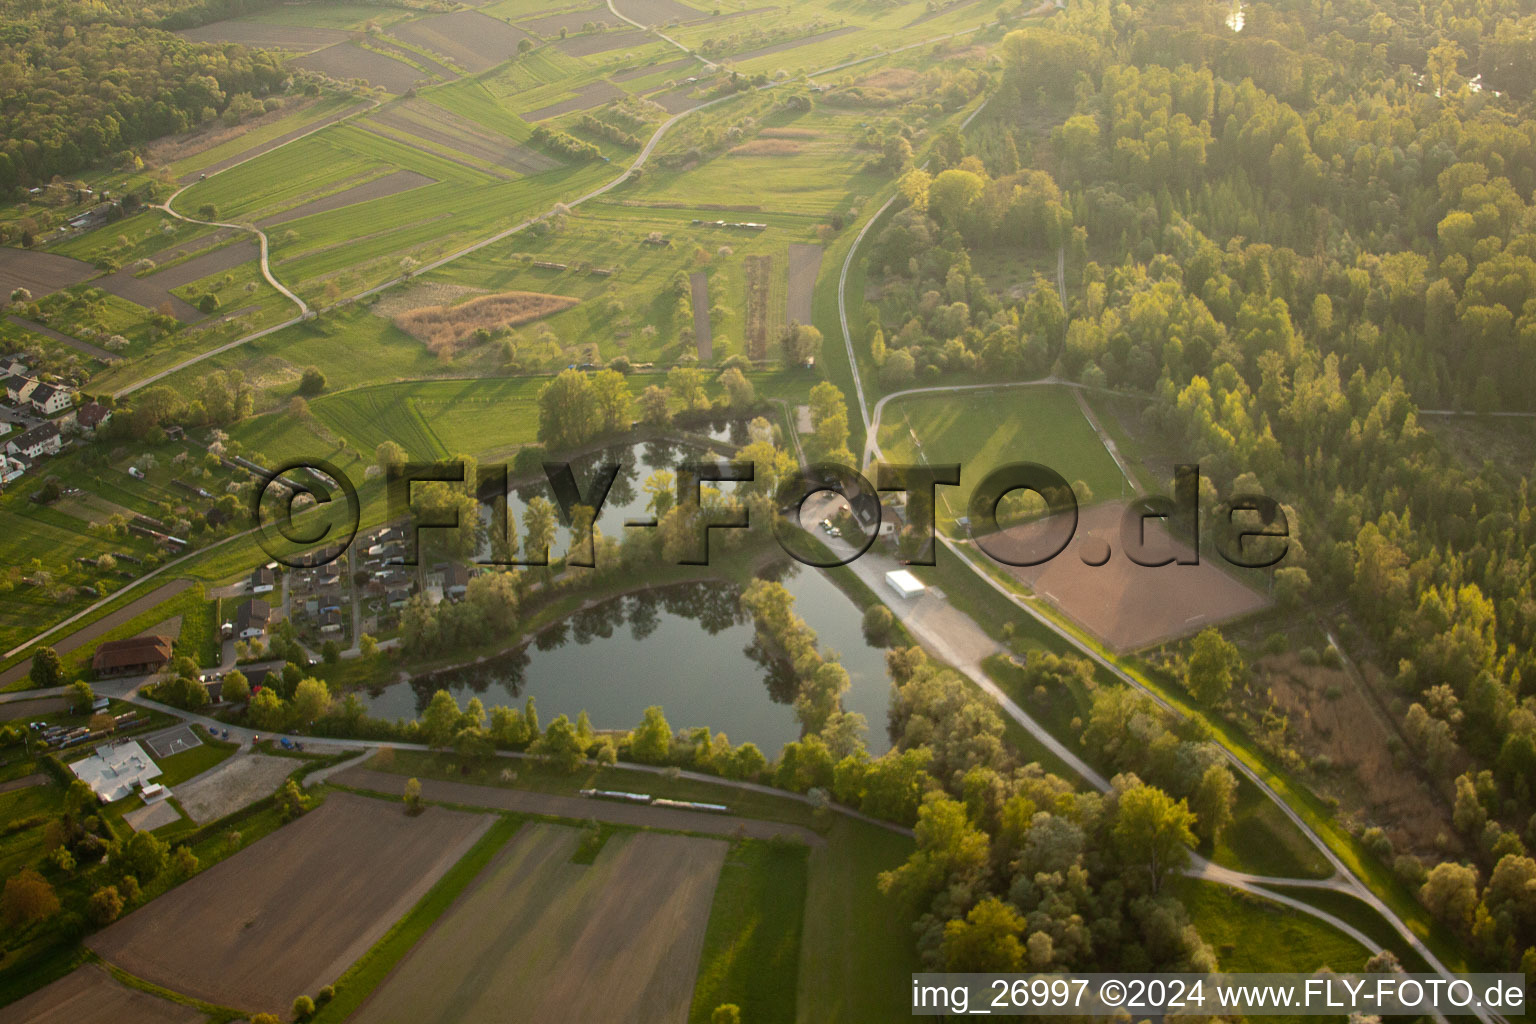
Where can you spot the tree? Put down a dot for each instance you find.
(311, 699)
(80, 696)
(1212, 801)
(654, 409)
(952, 194)
(987, 939)
(1213, 666)
(739, 392)
(27, 899)
(105, 905)
(949, 848)
(236, 688)
(143, 855)
(651, 742)
(562, 744)
(440, 722)
(388, 454)
(303, 1006)
(726, 1013)
(412, 796)
(829, 425)
(1450, 894)
(539, 528)
(686, 384)
(267, 710)
(367, 646)
(184, 862)
(1152, 830)
(46, 669)
(312, 383)
(291, 801)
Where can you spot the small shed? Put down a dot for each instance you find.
(904, 583)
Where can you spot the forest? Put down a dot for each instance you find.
(1290, 239)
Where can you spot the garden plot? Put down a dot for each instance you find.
(40, 273)
(468, 38)
(89, 993)
(593, 94)
(542, 939)
(296, 38)
(344, 61)
(289, 913)
(698, 282)
(378, 188)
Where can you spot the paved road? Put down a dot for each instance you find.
(105, 624)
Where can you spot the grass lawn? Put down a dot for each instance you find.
(1347, 908)
(984, 430)
(1248, 933)
(857, 953)
(752, 947)
(1261, 839)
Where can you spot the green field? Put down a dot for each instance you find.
(982, 430)
(1249, 933)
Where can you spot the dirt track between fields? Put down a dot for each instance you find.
(542, 939)
(698, 281)
(291, 912)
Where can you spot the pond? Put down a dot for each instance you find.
(688, 648)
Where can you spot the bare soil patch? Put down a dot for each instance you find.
(147, 819)
(542, 939)
(41, 273)
(17, 710)
(593, 94)
(379, 188)
(655, 12)
(674, 101)
(100, 627)
(698, 282)
(238, 782)
(291, 912)
(25, 782)
(468, 38)
(154, 289)
(804, 265)
(89, 993)
(444, 328)
(296, 38)
(433, 124)
(600, 42)
(264, 147)
(1125, 605)
(345, 62)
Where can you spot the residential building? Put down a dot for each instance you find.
(19, 389)
(91, 416)
(49, 399)
(263, 580)
(40, 440)
(252, 618)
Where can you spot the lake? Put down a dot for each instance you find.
(688, 647)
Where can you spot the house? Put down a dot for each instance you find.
(40, 440)
(263, 580)
(455, 581)
(19, 389)
(399, 598)
(91, 416)
(330, 575)
(252, 618)
(47, 399)
(139, 656)
(330, 620)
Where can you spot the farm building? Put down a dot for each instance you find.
(904, 583)
(138, 656)
(116, 771)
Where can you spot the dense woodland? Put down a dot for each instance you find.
(81, 84)
(1292, 238)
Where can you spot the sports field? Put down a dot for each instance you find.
(540, 938)
(288, 914)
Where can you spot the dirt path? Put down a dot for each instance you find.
(577, 808)
(25, 782)
(699, 282)
(101, 626)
